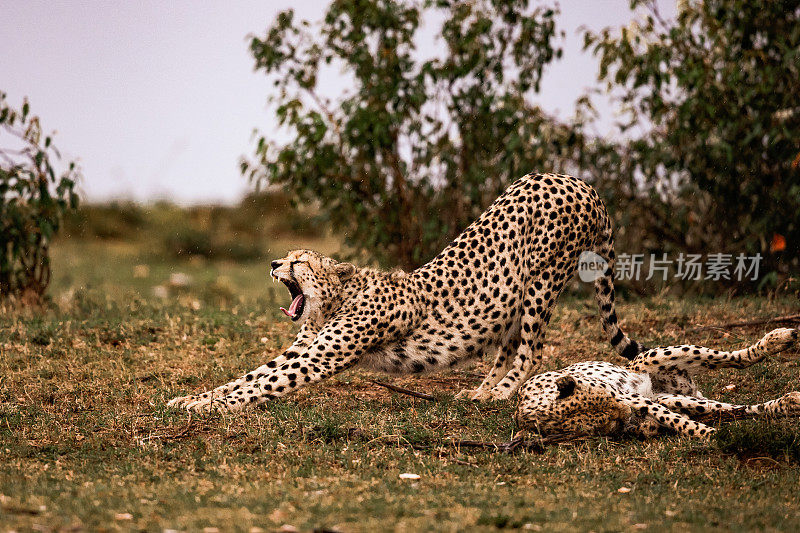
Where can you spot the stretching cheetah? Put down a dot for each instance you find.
(654, 391)
(492, 289)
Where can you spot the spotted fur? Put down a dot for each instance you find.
(492, 289)
(654, 391)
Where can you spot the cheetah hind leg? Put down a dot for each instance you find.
(537, 308)
(655, 413)
(501, 366)
(692, 359)
(787, 405)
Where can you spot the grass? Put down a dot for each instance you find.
(87, 443)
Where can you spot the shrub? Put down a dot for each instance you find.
(116, 220)
(34, 198)
(188, 241)
(714, 92)
(414, 134)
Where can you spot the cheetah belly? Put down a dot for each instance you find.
(640, 383)
(419, 353)
(614, 377)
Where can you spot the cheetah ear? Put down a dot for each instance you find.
(566, 386)
(345, 271)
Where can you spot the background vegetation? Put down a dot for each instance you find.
(34, 197)
(711, 111)
(705, 158)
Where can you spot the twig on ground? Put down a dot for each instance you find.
(463, 463)
(18, 509)
(189, 425)
(537, 445)
(10, 507)
(396, 440)
(478, 444)
(746, 323)
(402, 390)
(762, 459)
(467, 374)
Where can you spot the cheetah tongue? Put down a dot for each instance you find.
(298, 300)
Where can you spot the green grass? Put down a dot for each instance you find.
(86, 440)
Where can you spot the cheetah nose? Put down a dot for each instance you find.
(275, 265)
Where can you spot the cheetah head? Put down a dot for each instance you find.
(314, 281)
(556, 402)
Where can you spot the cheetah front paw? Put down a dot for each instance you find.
(790, 404)
(209, 405)
(182, 401)
(482, 395)
(781, 339)
(496, 394)
(466, 394)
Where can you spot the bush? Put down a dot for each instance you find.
(116, 220)
(188, 241)
(33, 201)
(413, 135)
(235, 233)
(714, 91)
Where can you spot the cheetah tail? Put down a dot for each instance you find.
(604, 294)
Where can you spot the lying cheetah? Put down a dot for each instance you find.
(492, 288)
(654, 391)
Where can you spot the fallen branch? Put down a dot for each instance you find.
(401, 390)
(190, 424)
(537, 445)
(467, 374)
(746, 323)
(19, 509)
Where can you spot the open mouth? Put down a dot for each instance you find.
(295, 310)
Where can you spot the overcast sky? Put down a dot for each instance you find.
(158, 99)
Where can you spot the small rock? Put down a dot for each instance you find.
(179, 279)
(160, 291)
(141, 271)
(623, 490)
(277, 515)
(123, 516)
